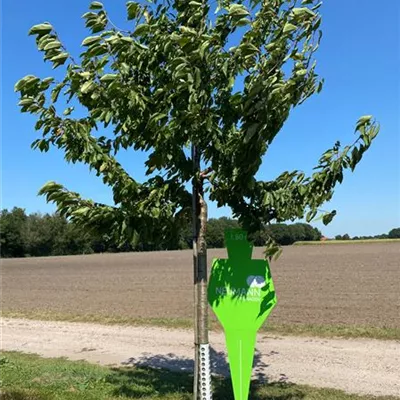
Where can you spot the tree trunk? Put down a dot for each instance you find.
(202, 376)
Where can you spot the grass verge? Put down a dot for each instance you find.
(331, 242)
(326, 331)
(29, 377)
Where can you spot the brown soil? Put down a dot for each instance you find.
(333, 285)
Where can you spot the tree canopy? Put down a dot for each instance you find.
(394, 233)
(172, 81)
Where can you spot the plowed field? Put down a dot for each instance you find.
(357, 284)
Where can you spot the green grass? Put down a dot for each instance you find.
(335, 331)
(29, 377)
(327, 331)
(331, 242)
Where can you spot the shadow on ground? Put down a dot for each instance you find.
(162, 377)
(219, 364)
(135, 383)
(23, 394)
(173, 374)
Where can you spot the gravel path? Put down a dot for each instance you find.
(359, 366)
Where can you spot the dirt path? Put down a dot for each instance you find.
(359, 366)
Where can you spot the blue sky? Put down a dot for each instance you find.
(359, 59)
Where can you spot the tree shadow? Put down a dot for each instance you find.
(165, 375)
(22, 395)
(150, 377)
(218, 362)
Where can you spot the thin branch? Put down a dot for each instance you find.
(205, 174)
(116, 27)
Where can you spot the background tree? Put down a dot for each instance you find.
(38, 235)
(346, 236)
(216, 229)
(172, 87)
(394, 233)
(12, 226)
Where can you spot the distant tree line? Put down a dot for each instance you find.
(283, 234)
(36, 234)
(392, 234)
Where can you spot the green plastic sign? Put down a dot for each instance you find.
(242, 295)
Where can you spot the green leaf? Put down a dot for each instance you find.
(140, 29)
(327, 218)
(68, 110)
(60, 58)
(43, 145)
(203, 48)
(250, 132)
(40, 29)
(56, 91)
(88, 87)
(301, 72)
(366, 119)
(44, 40)
(302, 12)
(26, 81)
(186, 29)
(133, 9)
(90, 40)
(26, 102)
(356, 156)
(302, 190)
(310, 215)
(238, 10)
(108, 77)
(248, 48)
(374, 132)
(157, 117)
(99, 24)
(85, 74)
(103, 167)
(127, 39)
(320, 86)
(272, 250)
(288, 28)
(52, 45)
(270, 46)
(95, 5)
(155, 212)
(124, 68)
(48, 80)
(81, 211)
(242, 22)
(225, 67)
(21, 83)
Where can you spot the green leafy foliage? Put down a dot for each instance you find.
(170, 83)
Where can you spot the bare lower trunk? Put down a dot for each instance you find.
(201, 386)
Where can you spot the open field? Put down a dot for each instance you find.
(28, 377)
(332, 289)
(361, 241)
